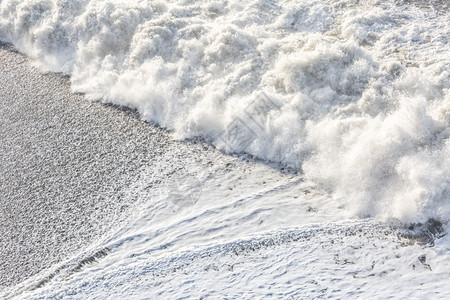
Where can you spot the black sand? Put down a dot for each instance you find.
(64, 162)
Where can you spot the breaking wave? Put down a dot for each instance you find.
(356, 94)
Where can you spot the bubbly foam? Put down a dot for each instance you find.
(360, 89)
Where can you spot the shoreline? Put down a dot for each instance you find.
(74, 170)
(65, 161)
(72, 167)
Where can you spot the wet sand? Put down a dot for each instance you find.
(64, 162)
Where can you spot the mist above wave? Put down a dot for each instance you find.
(359, 89)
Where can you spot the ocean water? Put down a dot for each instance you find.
(360, 89)
(341, 107)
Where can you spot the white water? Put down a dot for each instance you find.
(241, 230)
(362, 86)
(350, 260)
(357, 97)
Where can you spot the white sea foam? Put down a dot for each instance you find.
(361, 89)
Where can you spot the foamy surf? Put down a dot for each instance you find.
(349, 259)
(361, 88)
(352, 96)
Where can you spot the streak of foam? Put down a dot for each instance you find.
(311, 261)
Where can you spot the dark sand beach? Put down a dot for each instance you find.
(64, 162)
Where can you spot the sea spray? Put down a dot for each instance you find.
(362, 86)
